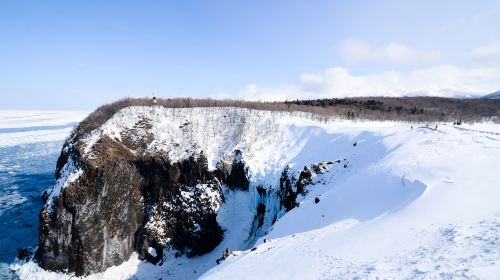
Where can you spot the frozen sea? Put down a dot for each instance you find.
(30, 143)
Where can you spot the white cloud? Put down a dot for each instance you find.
(311, 81)
(356, 52)
(440, 80)
(488, 53)
(443, 80)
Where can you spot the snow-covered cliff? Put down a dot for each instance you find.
(291, 195)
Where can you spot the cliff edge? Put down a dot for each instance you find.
(151, 178)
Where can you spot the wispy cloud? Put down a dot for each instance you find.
(487, 53)
(445, 80)
(354, 51)
(442, 80)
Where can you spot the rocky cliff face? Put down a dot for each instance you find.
(152, 178)
(91, 224)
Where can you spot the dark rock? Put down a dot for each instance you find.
(25, 253)
(316, 200)
(86, 232)
(237, 178)
(318, 167)
(287, 193)
(154, 259)
(261, 211)
(227, 253)
(304, 179)
(261, 191)
(290, 188)
(102, 217)
(44, 196)
(128, 199)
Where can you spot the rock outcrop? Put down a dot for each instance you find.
(152, 178)
(124, 201)
(290, 187)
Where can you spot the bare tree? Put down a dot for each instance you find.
(407, 109)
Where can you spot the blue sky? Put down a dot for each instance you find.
(79, 54)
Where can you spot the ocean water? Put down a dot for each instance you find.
(30, 143)
(25, 172)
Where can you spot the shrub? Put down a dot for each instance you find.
(410, 109)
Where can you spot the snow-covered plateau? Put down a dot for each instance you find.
(326, 199)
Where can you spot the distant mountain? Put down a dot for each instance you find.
(495, 95)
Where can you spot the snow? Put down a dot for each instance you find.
(152, 251)
(217, 132)
(23, 127)
(415, 204)
(90, 140)
(10, 199)
(26, 127)
(69, 174)
(402, 203)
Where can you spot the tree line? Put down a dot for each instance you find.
(409, 109)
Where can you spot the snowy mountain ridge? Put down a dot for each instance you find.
(365, 210)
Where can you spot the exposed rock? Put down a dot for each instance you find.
(129, 190)
(290, 187)
(234, 176)
(316, 200)
(124, 202)
(93, 221)
(288, 190)
(227, 253)
(304, 179)
(319, 167)
(24, 254)
(261, 211)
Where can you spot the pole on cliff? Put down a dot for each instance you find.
(154, 112)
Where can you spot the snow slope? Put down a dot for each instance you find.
(424, 207)
(398, 200)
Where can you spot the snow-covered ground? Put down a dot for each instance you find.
(405, 201)
(416, 204)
